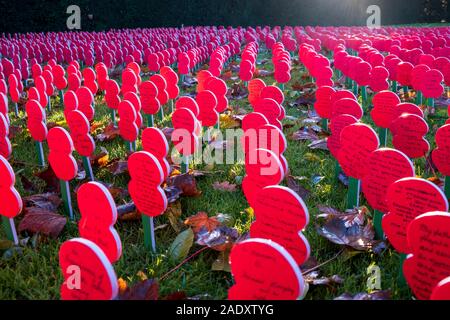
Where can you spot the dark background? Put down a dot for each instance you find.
(46, 15)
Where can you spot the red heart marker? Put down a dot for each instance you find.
(337, 124)
(255, 88)
(74, 81)
(85, 102)
(384, 103)
(264, 270)
(188, 103)
(346, 106)
(161, 84)
(202, 76)
(70, 103)
(36, 120)
(263, 168)
(384, 166)
(129, 81)
(410, 108)
(58, 77)
(11, 202)
(207, 103)
(136, 103)
(284, 229)
(273, 92)
(60, 156)
(48, 77)
(442, 290)
(270, 109)
(80, 133)
(378, 79)
(149, 100)
(253, 120)
(432, 84)
(427, 264)
(155, 143)
(83, 258)
(408, 132)
(357, 142)
(127, 122)
(417, 75)
(144, 187)
(406, 199)
(5, 144)
(98, 216)
(404, 73)
(89, 80)
(323, 101)
(441, 154)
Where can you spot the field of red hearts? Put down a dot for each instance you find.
(98, 180)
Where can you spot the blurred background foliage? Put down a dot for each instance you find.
(46, 15)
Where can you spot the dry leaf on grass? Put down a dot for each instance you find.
(200, 220)
(299, 189)
(109, 133)
(376, 295)
(47, 201)
(351, 228)
(224, 186)
(186, 183)
(143, 290)
(50, 179)
(43, 221)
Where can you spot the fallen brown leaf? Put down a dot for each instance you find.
(202, 220)
(46, 201)
(117, 167)
(42, 221)
(376, 295)
(186, 183)
(143, 290)
(351, 228)
(109, 134)
(50, 178)
(224, 186)
(299, 189)
(173, 213)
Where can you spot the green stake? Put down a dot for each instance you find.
(405, 91)
(61, 98)
(281, 86)
(447, 187)
(16, 109)
(337, 170)
(185, 165)
(65, 192)
(419, 98)
(40, 152)
(88, 168)
(10, 229)
(150, 121)
(113, 118)
(355, 88)
(161, 114)
(382, 134)
(401, 277)
(394, 86)
(149, 233)
(353, 193)
(377, 217)
(324, 124)
(364, 96)
(171, 106)
(49, 105)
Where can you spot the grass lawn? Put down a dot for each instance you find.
(34, 273)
